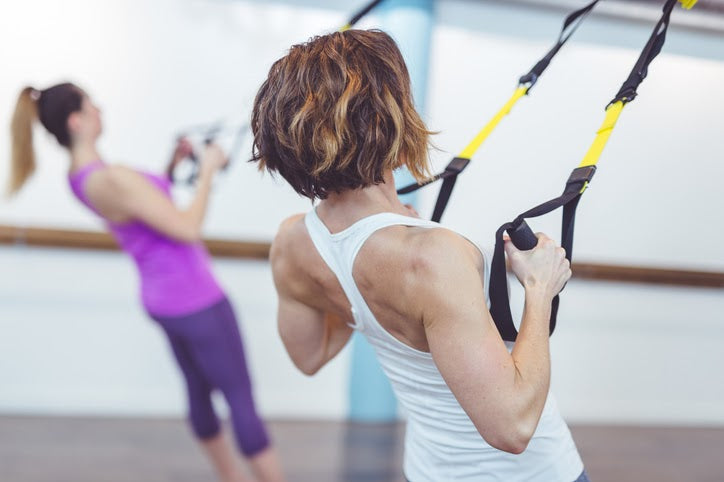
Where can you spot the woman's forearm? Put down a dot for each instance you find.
(196, 211)
(531, 356)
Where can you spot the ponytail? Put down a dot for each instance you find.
(22, 158)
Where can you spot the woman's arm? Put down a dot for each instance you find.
(121, 195)
(503, 393)
(312, 337)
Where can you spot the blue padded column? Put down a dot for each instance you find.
(410, 23)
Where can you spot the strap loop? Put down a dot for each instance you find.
(570, 25)
(575, 186)
(653, 47)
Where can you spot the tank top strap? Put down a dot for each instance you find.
(366, 227)
(339, 250)
(323, 241)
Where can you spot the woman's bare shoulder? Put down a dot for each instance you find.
(290, 235)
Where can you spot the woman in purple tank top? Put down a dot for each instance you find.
(178, 289)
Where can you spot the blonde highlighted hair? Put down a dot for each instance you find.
(22, 156)
(51, 107)
(336, 113)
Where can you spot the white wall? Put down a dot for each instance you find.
(74, 340)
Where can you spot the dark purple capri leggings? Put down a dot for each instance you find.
(208, 348)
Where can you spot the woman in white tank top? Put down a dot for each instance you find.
(335, 118)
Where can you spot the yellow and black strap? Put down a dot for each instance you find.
(525, 84)
(521, 235)
(358, 16)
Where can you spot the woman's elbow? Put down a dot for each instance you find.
(188, 234)
(516, 444)
(511, 444)
(307, 368)
(513, 438)
(305, 362)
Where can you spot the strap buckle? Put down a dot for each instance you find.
(457, 165)
(528, 79)
(580, 178)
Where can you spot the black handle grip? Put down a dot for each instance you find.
(193, 157)
(523, 237)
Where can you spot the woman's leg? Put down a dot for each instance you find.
(202, 417)
(266, 465)
(223, 456)
(224, 364)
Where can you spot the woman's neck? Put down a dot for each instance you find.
(341, 210)
(82, 154)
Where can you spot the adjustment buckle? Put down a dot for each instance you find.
(530, 78)
(581, 174)
(457, 165)
(580, 178)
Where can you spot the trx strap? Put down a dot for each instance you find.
(525, 84)
(521, 235)
(210, 133)
(358, 16)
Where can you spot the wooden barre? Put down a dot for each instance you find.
(68, 238)
(226, 248)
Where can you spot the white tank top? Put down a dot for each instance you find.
(441, 442)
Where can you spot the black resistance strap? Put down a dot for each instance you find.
(525, 84)
(210, 133)
(521, 235)
(361, 13)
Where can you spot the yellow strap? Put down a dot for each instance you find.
(604, 132)
(469, 151)
(347, 26)
(612, 113)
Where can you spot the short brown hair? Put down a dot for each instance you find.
(337, 112)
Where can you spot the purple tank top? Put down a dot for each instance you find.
(176, 277)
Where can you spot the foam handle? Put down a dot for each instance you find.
(523, 237)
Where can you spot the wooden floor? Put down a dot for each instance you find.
(40, 449)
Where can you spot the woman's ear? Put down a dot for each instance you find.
(73, 123)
